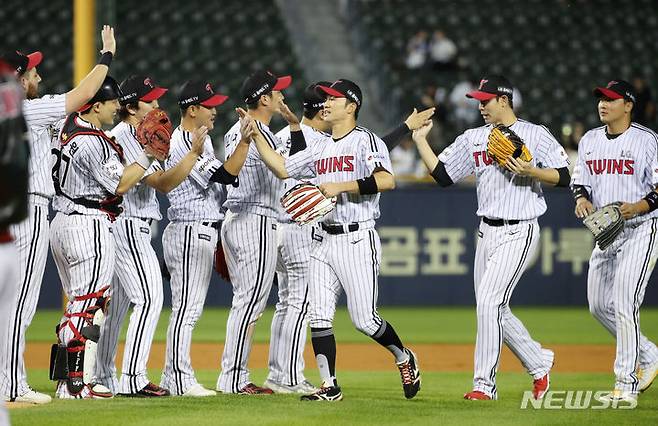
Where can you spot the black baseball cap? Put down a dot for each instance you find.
(108, 91)
(617, 89)
(314, 98)
(20, 61)
(344, 88)
(139, 88)
(492, 86)
(195, 92)
(261, 83)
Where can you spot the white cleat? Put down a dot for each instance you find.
(30, 397)
(618, 395)
(304, 387)
(199, 391)
(646, 376)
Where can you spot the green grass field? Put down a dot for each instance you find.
(370, 398)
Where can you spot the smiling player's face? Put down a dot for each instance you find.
(335, 109)
(107, 111)
(205, 116)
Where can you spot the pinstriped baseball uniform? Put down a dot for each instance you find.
(294, 244)
(249, 240)
(348, 261)
(81, 241)
(503, 252)
(623, 168)
(189, 243)
(31, 238)
(137, 280)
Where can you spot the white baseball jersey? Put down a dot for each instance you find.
(502, 194)
(258, 188)
(40, 115)
(197, 198)
(624, 168)
(312, 137)
(354, 156)
(141, 200)
(89, 168)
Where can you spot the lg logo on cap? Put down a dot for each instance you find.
(209, 88)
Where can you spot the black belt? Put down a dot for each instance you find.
(339, 229)
(499, 222)
(215, 225)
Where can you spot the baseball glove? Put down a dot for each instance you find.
(155, 132)
(305, 203)
(606, 224)
(504, 143)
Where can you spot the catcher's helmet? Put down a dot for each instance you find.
(108, 91)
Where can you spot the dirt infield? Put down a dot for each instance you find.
(370, 357)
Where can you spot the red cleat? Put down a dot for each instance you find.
(477, 396)
(540, 386)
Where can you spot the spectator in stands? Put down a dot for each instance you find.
(465, 113)
(417, 50)
(571, 135)
(644, 109)
(443, 52)
(404, 159)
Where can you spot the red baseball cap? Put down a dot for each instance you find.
(196, 92)
(261, 83)
(616, 89)
(139, 87)
(21, 62)
(490, 87)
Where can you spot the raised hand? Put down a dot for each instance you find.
(109, 43)
(421, 132)
(416, 119)
(287, 115)
(199, 139)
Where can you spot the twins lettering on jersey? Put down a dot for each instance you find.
(610, 166)
(344, 163)
(477, 155)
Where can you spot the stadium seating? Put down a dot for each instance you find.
(554, 51)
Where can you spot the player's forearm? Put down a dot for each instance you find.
(170, 179)
(86, 89)
(426, 154)
(234, 163)
(272, 159)
(548, 176)
(383, 179)
(130, 177)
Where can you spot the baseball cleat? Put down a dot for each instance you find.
(646, 376)
(151, 390)
(305, 387)
(30, 397)
(410, 375)
(540, 386)
(252, 389)
(329, 393)
(199, 391)
(618, 395)
(477, 396)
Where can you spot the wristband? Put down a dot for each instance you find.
(579, 191)
(652, 199)
(144, 161)
(367, 186)
(106, 59)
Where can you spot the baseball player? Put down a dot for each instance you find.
(249, 230)
(618, 162)
(138, 280)
(354, 167)
(90, 178)
(510, 200)
(288, 330)
(14, 158)
(191, 237)
(41, 113)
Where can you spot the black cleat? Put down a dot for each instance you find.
(325, 393)
(410, 375)
(151, 390)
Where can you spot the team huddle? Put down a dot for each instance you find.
(300, 206)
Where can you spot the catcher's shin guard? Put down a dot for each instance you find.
(75, 361)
